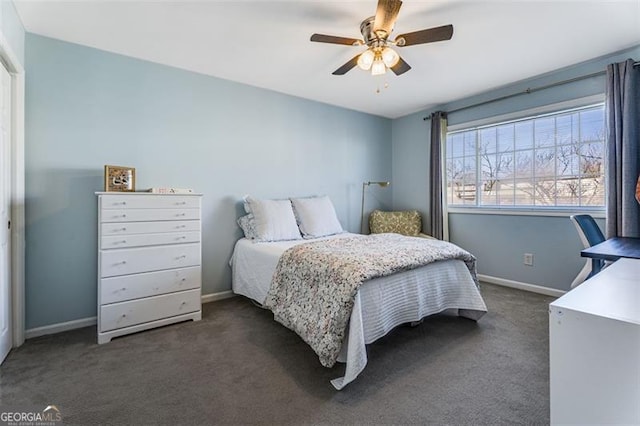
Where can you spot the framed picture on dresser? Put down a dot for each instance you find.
(119, 179)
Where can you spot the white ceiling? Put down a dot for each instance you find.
(266, 43)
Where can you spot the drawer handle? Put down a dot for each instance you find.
(121, 229)
(124, 315)
(181, 214)
(181, 238)
(181, 203)
(121, 242)
(123, 289)
(124, 203)
(181, 226)
(184, 256)
(183, 280)
(121, 215)
(124, 262)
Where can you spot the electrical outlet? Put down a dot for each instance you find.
(528, 259)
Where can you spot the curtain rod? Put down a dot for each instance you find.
(528, 91)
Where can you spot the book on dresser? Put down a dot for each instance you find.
(149, 261)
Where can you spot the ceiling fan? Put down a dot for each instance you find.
(375, 32)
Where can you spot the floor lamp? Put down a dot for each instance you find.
(364, 185)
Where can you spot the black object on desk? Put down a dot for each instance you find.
(612, 249)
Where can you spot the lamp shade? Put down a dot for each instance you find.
(638, 190)
(365, 60)
(389, 57)
(378, 67)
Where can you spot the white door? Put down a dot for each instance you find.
(5, 213)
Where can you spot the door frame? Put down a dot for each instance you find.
(15, 68)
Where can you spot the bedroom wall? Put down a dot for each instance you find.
(499, 241)
(86, 108)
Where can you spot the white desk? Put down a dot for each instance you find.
(594, 347)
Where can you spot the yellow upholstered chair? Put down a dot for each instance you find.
(405, 222)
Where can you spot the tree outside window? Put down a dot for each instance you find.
(554, 160)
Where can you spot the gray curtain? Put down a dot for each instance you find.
(623, 149)
(436, 208)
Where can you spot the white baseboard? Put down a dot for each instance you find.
(87, 322)
(521, 286)
(60, 327)
(212, 297)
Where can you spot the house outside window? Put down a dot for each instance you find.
(547, 161)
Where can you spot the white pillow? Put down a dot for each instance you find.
(273, 220)
(316, 216)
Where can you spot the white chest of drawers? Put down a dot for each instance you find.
(149, 261)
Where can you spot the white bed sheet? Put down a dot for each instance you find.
(380, 305)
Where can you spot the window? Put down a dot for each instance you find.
(546, 161)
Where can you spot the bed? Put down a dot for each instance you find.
(380, 304)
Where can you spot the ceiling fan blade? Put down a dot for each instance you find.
(401, 67)
(322, 38)
(425, 36)
(347, 67)
(386, 15)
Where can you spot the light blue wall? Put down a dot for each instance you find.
(86, 108)
(500, 241)
(12, 29)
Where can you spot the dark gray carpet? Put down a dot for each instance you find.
(238, 366)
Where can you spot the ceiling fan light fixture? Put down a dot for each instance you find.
(378, 67)
(389, 57)
(366, 59)
(376, 31)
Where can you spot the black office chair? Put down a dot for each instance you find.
(590, 235)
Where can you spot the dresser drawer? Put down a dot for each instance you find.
(141, 240)
(126, 228)
(149, 201)
(147, 259)
(125, 314)
(141, 215)
(119, 289)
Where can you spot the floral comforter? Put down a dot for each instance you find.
(314, 287)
